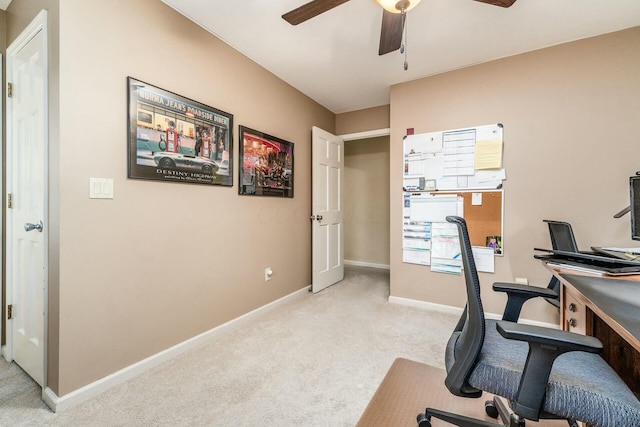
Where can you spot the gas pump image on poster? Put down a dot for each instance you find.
(172, 137)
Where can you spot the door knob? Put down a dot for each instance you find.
(319, 217)
(29, 227)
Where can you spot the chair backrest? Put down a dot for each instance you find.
(471, 327)
(562, 237)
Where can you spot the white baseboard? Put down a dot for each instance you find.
(61, 403)
(458, 311)
(367, 264)
(426, 305)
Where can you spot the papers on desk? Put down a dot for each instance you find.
(591, 262)
(575, 268)
(634, 250)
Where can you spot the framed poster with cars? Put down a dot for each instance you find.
(175, 139)
(266, 164)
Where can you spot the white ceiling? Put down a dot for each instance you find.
(333, 58)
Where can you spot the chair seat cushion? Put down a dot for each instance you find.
(581, 385)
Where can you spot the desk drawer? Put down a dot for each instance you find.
(575, 314)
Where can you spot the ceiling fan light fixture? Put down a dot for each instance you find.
(397, 6)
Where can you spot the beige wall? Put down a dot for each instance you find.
(570, 116)
(363, 120)
(3, 31)
(366, 200)
(161, 262)
(20, 13)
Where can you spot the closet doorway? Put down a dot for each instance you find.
(367, 198)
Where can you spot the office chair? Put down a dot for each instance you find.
(562, 239)
(544, 373)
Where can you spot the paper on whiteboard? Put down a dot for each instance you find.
(423, 143)
(488, 154)
(447, 183)
(484, 258)
(427, 207)
(416, 242)
(416, 257)
(489, 179)
(458, 148)
(445, 249)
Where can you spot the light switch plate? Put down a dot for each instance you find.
(100, 188)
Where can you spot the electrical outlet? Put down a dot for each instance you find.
(522, 280)
(268, 272)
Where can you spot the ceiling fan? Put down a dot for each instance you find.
(393, 17)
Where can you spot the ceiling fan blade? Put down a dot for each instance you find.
(310, 10)
(501, 3)
(391, 32)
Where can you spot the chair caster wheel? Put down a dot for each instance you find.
(424, 420)
(491, 409)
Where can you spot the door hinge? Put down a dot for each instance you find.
(9, 201)
(9, 312)
(9, 90)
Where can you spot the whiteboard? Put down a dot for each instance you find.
(458, 159)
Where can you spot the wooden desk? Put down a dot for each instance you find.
(607, 308)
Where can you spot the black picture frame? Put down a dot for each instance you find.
(266, 164)
(172, 138)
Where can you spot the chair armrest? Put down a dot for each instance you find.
(545, 345)
(568, 341)
(518, 294)
(516, 288)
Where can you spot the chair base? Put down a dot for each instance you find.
(494, 408)
(424, 420)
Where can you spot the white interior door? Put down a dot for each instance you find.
(27, 191)
(326, 217)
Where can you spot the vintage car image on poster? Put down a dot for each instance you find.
(266, 164)
(176, 139)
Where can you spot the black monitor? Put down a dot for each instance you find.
(634, 187)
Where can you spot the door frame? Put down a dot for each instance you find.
(364, 135)
(38, 24)
(343, 138)
(375, 133)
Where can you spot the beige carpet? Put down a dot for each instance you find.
(316, 361)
